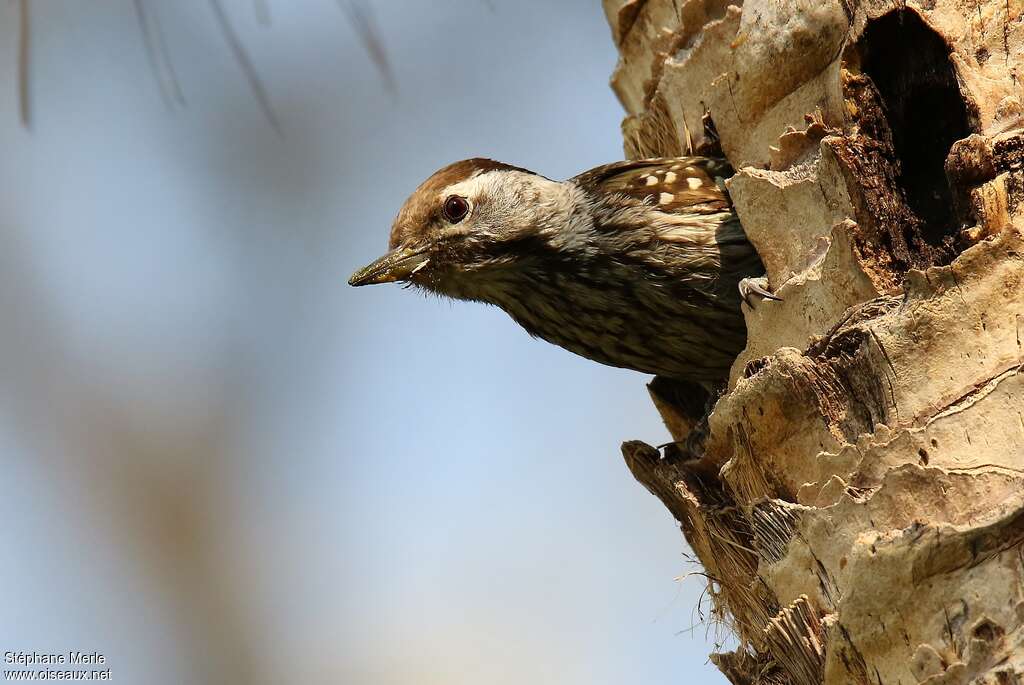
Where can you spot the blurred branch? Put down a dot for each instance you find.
(242, 57)
(159, 59)
(357, 11)
(23, 55)
(366, 28)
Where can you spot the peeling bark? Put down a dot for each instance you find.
(858, 506)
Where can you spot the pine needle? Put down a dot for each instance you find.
(242, 57)
(366, 28)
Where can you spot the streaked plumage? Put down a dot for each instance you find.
(633, 264)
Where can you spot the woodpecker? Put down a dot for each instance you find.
(638, 264)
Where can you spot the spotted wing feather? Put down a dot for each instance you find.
(694, 185)
(693, 224)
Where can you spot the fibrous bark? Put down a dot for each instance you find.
(859, 503)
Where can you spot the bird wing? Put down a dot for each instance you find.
(695, 227)
(694, 185)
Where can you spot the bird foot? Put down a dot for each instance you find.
(756, 286)
(689, 449)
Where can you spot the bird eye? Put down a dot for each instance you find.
(455, 209)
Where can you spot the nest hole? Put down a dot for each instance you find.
(909, 63)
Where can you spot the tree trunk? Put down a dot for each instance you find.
(859, 505)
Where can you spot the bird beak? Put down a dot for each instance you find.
(397, 265)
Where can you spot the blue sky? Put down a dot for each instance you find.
(218, 457)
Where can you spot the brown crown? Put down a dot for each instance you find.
(423, 206)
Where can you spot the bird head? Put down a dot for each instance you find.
(467, 224)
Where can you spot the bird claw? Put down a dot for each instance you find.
(690, 448)
(756, 286)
